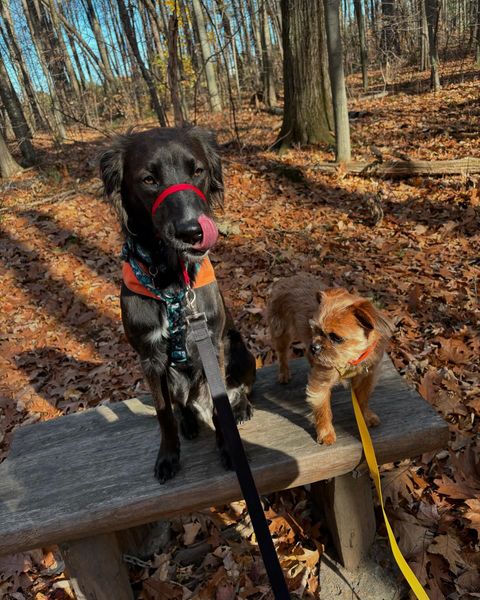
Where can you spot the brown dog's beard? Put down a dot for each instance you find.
(320, 383)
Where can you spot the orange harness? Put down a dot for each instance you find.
(205, 276)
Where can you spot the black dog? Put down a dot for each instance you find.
(169, 230)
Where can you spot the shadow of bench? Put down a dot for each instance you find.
(80, 479)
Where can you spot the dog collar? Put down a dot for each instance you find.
(173, 189)
(363, 356)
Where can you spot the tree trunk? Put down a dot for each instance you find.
(477, 37)
(8, 165)
(337, 79)
(424, 46)
(362, 42)
(214, 96)
(62, 51)
(188, 34)
(390, 41)
(57, 124)
(269, 95)
(100, 40)
(306, 106)
(432, 9)
(147, 76)
(257, 42)
(16, 51)
(15, 113)
(173, 71)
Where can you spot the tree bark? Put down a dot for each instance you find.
(337, 79)
(477, 36)
(15, 113)
(17, 54)
(147, 76)
(212, 86)
(173, 79)
(8, 165)
(389, 41)
(62, 53)
(57, 124)
(424, 46)
(306, 106)
(269, 95)
(257, 42)
(102, 48)
(432, 9)
(362, 42)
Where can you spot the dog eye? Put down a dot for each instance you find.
(198, 171)
(336, 339)
(149, 180)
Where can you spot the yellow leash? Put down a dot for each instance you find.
(375, 473)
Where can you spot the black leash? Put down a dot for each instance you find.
(198, 326)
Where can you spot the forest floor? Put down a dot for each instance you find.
(63, 349)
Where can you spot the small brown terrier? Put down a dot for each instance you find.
(345, 337)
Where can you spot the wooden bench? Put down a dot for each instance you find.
(80, 479)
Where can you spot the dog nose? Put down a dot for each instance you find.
(315, 348)
(189, 232)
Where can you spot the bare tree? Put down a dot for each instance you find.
(8, 165)
(173, 71)
(212, 86)
(432, 8)
(337, 79)
(362, 42)
(16, 115)
(147, 76)
(307, 107)
(269, 95)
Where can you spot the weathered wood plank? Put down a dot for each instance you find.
(92, 472)
(348, 506)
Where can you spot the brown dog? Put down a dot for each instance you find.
(345, 338)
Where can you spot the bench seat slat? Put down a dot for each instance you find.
(92, 472)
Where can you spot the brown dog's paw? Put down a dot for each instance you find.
(371, 419)
(326, 436)
(284, 376)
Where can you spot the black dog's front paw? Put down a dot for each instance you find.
(226, 460)
(189, 423)
(243, 412)
(167, 465)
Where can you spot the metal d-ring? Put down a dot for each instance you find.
(190, 298)
(153, 270)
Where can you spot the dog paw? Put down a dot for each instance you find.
(371, 419)
(167, 466)
(226, 460)
(284, 377)
(189, 426)
(326, 436)
(243, 412)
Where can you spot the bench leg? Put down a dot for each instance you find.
(96, 568)
(348, 507)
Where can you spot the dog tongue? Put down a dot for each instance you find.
(210, 233)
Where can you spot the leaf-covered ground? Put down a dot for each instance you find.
(411, 244)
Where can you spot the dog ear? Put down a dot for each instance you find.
(208, 141)
(320, 296)
(370, 318)
(111, 173)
